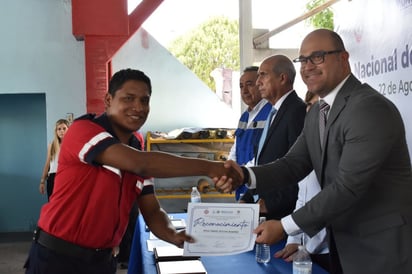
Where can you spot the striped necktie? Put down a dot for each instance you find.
(265, 130)
(323, 116)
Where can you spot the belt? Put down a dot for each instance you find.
(66, 248)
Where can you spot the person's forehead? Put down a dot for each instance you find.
(315, 42)
(134, 86)
(266, 65)
(248, 75)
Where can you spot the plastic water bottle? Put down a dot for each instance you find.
(195, 195)
(262, 250)
(302, 264)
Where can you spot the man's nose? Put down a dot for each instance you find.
(137, 105)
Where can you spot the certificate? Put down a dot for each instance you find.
(221, 228)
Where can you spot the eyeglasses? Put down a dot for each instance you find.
(316, 58)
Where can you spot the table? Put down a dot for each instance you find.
(142, 260)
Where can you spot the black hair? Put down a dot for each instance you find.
(251, 68)
(122, 76)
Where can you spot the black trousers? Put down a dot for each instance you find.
(42, 260)
(50, 185)
(335, 265)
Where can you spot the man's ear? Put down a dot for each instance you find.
(284, 78)
(107, 100)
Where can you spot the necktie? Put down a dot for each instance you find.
(265, 130)
(323, 116)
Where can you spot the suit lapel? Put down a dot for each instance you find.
(278, 117)
(276, 121)
(338, 105)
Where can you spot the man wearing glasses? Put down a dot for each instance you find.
(356, 144)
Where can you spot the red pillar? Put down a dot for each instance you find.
(105, 26)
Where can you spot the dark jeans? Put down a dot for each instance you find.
(45, 261)
(50, 185)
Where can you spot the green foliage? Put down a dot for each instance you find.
(323, 19)
(213, 44)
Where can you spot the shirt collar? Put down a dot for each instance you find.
(330, 98)
(104, 122)
(279, 102)
(258, 106)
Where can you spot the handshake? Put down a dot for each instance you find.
(227, 177)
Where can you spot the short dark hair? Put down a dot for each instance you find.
(251, 68)
(122, 76)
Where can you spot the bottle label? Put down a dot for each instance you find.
(262, 253)
(195, 199)
(302, 268)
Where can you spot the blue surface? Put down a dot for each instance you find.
(244, 263)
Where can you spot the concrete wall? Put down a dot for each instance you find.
(40, 56)
(42, 79)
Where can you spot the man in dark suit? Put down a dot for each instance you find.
(275, 80)
(363, 167)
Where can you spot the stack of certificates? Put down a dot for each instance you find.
(181, 267)
(171, 253)
(170, 259)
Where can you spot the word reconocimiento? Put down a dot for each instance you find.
(201, 222)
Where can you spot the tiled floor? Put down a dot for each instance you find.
(13, 254)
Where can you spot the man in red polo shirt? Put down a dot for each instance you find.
(101, 173)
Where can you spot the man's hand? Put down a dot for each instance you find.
(232, 179)
(269, 232)
(287, 252)
(180, 237)
(159, 223)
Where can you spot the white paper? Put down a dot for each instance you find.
(152, 243)
(178, 223)
(176, 267)
(221, 228)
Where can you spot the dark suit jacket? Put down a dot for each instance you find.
(365, 173)
(282, 134)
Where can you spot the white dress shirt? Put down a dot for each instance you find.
(308, 188)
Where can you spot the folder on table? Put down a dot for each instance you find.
(171, 253)
(181, 267)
